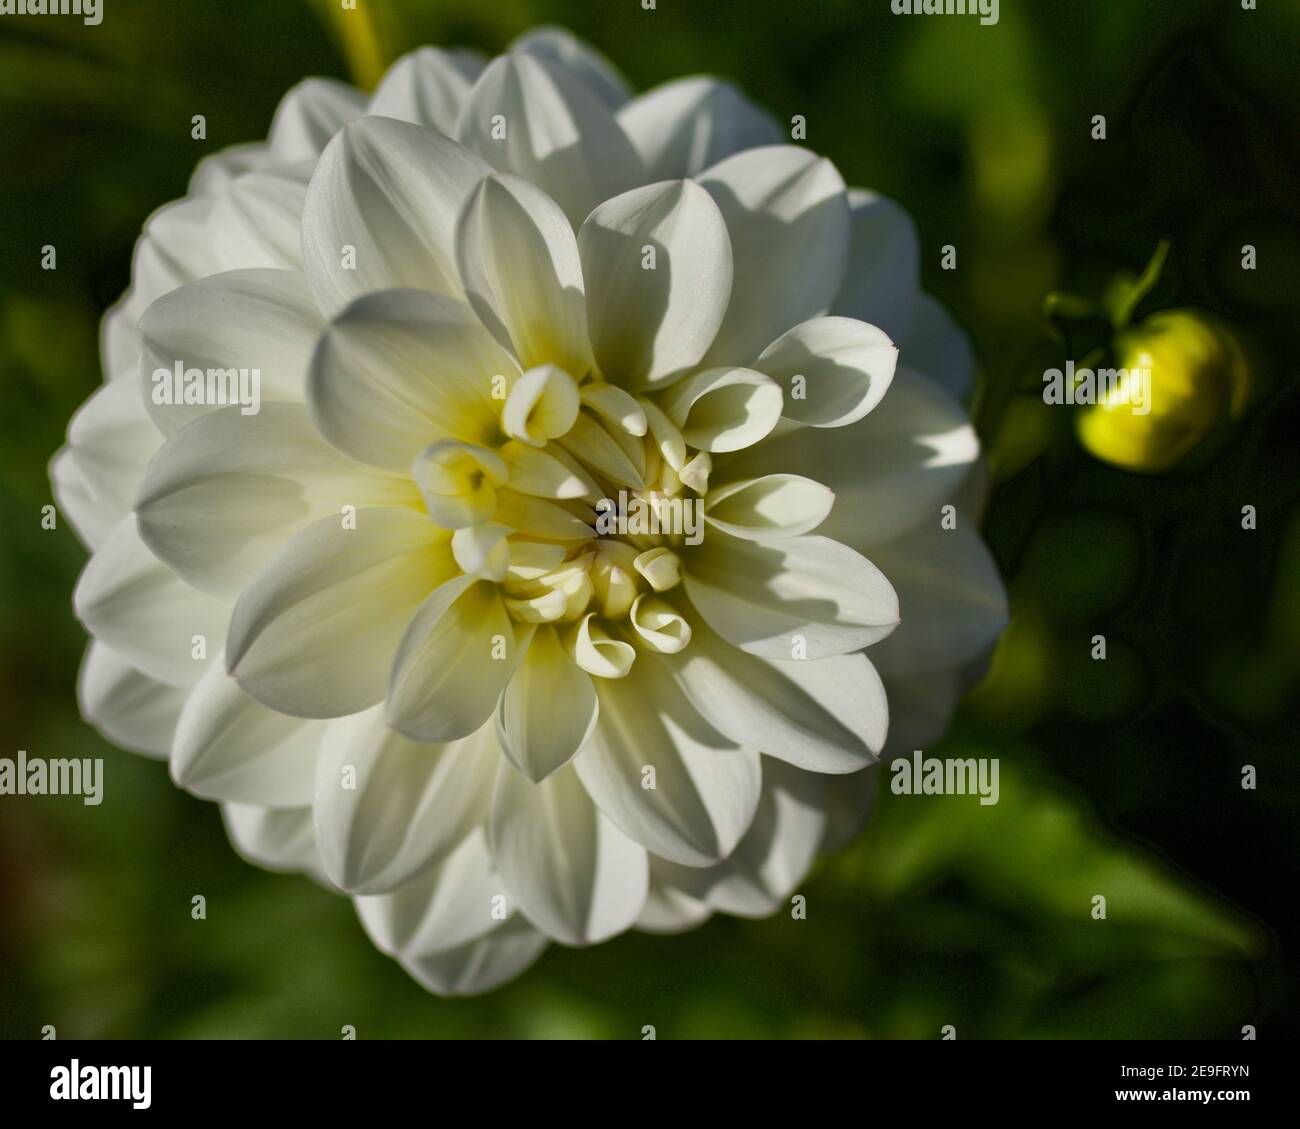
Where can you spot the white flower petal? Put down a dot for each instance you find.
(592, 493)
(829, 715)
(227, 490)
(574, 875)
(390, 191)
(119, 341)
(938, 347)
(773, 858)
(176, 247)
(921, 707)
(950, 598)
(313, 634)
(427, 87)
(567, 52)
(528, 116)
(891, 470)
(724, 409)
(218, 171)
(882, 280)
(772, 507)
(458, 482)
(532, 559)
(803, 597)
(536, 517)
(668, 910)
(275, 838)
(481, 965)
(599, 654)
(386, 806)
(519, 265)
(659, 624)
(145, 612)
(595, 447)
(255, 223)
(543, 404)
(110, 442)
(615, 406)
(399, 369)
(458, 899)
(260, 320)
(666, 435)
(483, 550)
(230, 747)
(683, 127)
(548, 709)
(652, 318)
(74, 492)
(126, 705)
(788, 217)
(849, 800)
(705, 787)
(310, 114)
(846, 366)
(541, 473)
(454, 661)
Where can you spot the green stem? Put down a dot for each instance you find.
(356, 30)
(1124, 308)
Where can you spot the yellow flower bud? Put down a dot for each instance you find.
(1185, 370)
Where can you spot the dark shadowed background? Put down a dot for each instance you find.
(1120, 777)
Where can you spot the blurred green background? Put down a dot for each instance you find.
(1119, 777)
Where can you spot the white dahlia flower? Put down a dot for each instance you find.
(597, 438)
